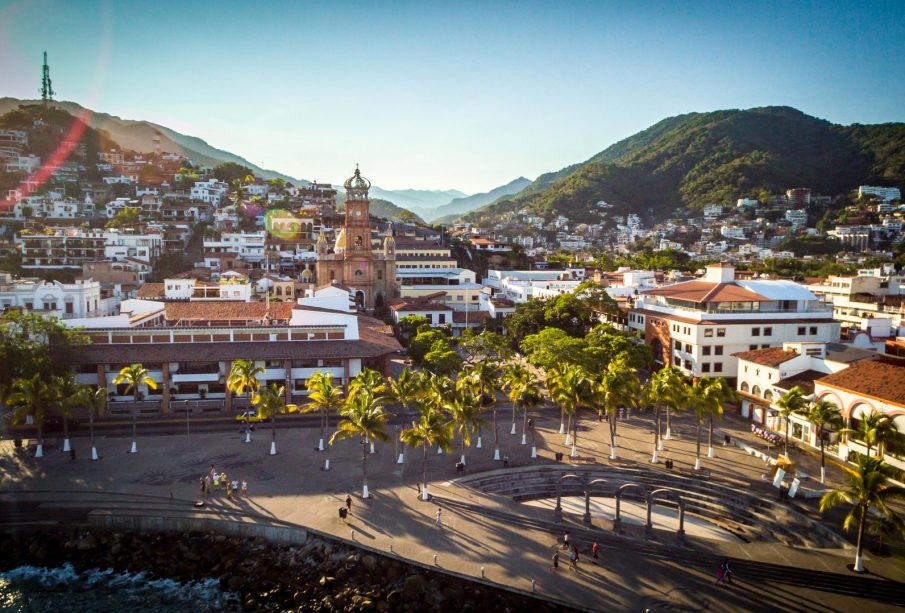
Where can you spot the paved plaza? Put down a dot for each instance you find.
(512, 542)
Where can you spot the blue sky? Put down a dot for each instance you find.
(450, 95)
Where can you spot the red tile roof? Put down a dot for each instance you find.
(704, 292)
(149, 291)
(875, 378)
(228, 311)
(772, 356)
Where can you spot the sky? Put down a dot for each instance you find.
(450, 95)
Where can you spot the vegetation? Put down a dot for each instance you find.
(134, 376)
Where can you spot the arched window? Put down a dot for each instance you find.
(358, 241)
(756, 390)
(768, 395)
(359, 273)
(745, 386)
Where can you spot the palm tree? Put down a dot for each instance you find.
(868, 487)
(134, 376)
(407, 389)
(696, 400)
(95, 401)
(719, 392)
(873, 429)
(570, 392)
(370, 384)
(552, 383)
(524, 393)
(465, 408)
(825, 417)
(66, 391)
(793, 401)
(485, 377)
(363, 417)
(664, 390)
(433, 428)
(325, 397)
(32, 397)
(616, 386)
(270, 401)
(244, 376)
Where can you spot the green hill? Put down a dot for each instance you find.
(701, 158)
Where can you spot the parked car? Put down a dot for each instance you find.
(251, 417)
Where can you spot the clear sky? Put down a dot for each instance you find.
(455, 94)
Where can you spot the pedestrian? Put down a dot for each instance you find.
(594, 549)
(349, 503)
(213, 473)
(575, 551)
(216, 480)
(439, 517)
(203, 484)
(223, 482)
(565, 540)
(555, 561)
(573, 560)
(720, 574)
(244, 487)
(234, 486)
(207, 484)
(229, 491)
(727, 572)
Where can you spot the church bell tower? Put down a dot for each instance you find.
(358, 219)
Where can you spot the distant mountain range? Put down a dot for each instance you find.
(421, 199)
(459, 206)
(716, 157)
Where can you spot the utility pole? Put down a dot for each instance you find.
(47, 92)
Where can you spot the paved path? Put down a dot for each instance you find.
(478, 530)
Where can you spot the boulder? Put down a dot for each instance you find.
(369, 562)
(413, 587)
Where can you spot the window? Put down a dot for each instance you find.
(768, 331)
(687, 364)
(813, 331)
(678, 345)
(460, 298)
(746, 368)
(721, 332)
(379, 275)
(755, 331)
(745, 387)
(800, 330)
(765, 346)
(718, 367)
(441, 318)
(708, 332)
(705, 350)
(705, 367)
(677, 361)
(687, 348)
(718, 350)
(69, 307)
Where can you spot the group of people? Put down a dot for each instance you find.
(765, 434)
(217, 481)
(573, 553)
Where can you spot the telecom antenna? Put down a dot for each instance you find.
(47, 92)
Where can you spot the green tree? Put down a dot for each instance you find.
(410, 325)
(485, 378)
(230, 171)
(552, 346)
(270, 401)
(67, 393)
(325, 397)
(484, 345)
(32, 397)
(868, 487)
(442, 359)
(874, 429)
(465, 408)
(127, 216)
(525, 394)
(825, 417)
(408, 390)
(793, 401)
(665, 390)
(95, 401)
(362, 418)
(31, 344)
(432, 429)
(244, 377)
(616, 386)
(568, 387)
(134, 376)
(424, 342)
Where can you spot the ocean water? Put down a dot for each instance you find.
(30, 588)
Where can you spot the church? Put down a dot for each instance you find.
(370, 276)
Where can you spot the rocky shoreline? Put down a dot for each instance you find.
(318, 576)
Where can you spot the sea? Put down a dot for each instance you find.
(30, 588)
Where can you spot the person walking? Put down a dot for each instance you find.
(223, 482)
(573, 560)
(565, 540)
(234, 486)
(216, 481)
(203, 484)
(229, 490)
(244, 487)
(575, 551)
(555, 561)
(349, 504)
(594, 549)
(727, 572)
(439, 517)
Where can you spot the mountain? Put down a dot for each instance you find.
(421, 199)
(386, 209)
(459, 206)
(716, 157)
(139, 135)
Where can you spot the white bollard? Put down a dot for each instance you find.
(533, 586)
(462, 458)
(478, 446)
(439, 451)
(534, 452)
(39, 451)
(655, 459)
(372, 448)
(660, 445)
(320, 445)
(435, 559)
(562, 428)
(668, 436)
(134, 448)
(273, 447)
(327, 464)
(424, 495)
(482, 572)
(66, 447)
(512, 431)
(697, 463)
(524, 439)
(574, 453)
(248, 436)
(568, 439)
(94, 453)
(364, 492)
(496, 454)
(710, 452)
(401, 458)
(822, 474)
(612, 453)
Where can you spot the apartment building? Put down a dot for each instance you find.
(52, 298)
(861, 301)
(887, 194)
(698, 325)
(211, 191)
(248, 246)
(61, 249)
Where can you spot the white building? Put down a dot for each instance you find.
(121, 246)
(27, 164)
(797, 217)
(887, 194)
(697, 325)
(746, 203)
(732, 232)
(211, 191)
(64, 300)
(248, 246)
(712, 211)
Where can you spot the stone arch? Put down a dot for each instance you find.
(768, 395)
(360, 299)
(658, 496)
(857, 408)
(745, 387)
(620, 492)
(755, 390)
(832, 397)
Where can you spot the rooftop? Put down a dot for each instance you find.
(228, 311)
(878, 379)
(772, 356)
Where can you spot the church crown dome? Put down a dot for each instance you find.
(357, 182)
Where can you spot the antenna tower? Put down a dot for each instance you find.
(47, 92)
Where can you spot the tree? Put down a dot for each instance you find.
(230, 171)
(244, 376)
(66, 390)
(325, 397)
(484, 345)
(605, 344)
(126, 216)
(718, 393)
(269, 401)
(868, 487)
(32, 397)
(552, 346)
(465, 408)
(95, 401)
(410, 325)
(363, 417)
(408, 390)
(432, 429)
(134, 376)
(424, 342)
(617, 386)
(485, 377)
(664, 390)
(825, 416)
(524, 394)
(569, 389)
(442, 359)
(31, 344)
(874, 429)
(793, 401)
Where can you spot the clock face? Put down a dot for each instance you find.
(358, 212)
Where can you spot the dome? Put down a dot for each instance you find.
(340, 241)
(357, 181)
